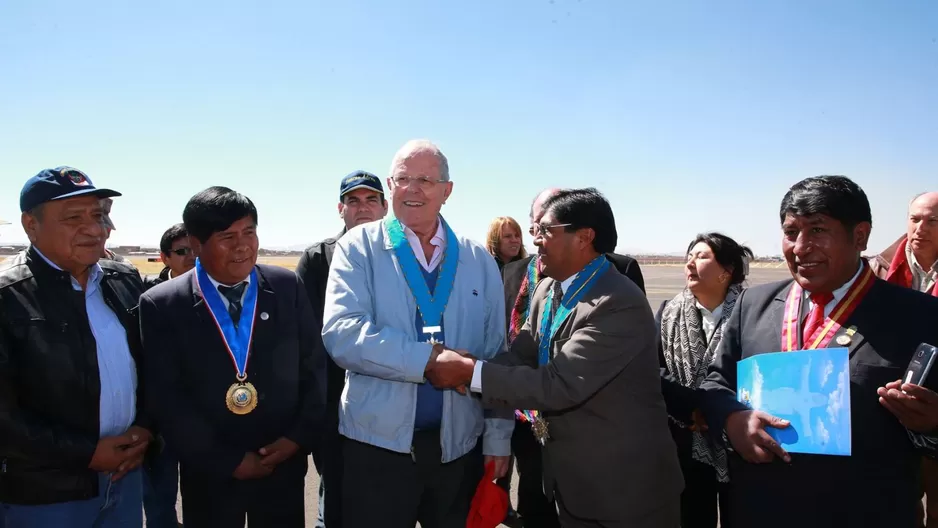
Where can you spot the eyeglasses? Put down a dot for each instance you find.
(182, 252)
(423, 182)
(542, 229)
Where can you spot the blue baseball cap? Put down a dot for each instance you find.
(360, 180)
(57, 184)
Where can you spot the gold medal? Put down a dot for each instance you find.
(539, 428)
(241, 397)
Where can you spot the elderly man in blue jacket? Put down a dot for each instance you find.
(399, 292)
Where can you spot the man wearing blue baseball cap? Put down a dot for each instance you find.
(361, 200)
(73, 438)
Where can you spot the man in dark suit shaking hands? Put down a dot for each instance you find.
(584, 367)
(238, 372)
(832, 300)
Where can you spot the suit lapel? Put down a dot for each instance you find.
(778, 314)
(265, 316)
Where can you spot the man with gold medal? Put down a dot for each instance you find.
(236, 373)
(832, 300)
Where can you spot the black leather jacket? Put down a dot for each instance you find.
(49, 383)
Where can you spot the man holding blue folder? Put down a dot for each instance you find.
(834, 300)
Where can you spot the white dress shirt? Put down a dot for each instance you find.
(476, 384)
(224, 299)
(438, 242)
(709, 319)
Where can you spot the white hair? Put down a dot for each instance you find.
(420, 146)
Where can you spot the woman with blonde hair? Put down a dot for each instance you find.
(504, 241)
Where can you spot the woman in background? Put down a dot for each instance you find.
(690, 327)
(504, 241)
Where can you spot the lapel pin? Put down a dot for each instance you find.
(264, 316)
(847, 337)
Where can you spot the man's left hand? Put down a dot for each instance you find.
(135, 451)
(451, 370)
(280, 450)
(501, 464)
(915, 406)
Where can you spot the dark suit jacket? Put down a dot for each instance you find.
(878, 485)
(191, 370)
(513, 273)
(610, 454)
(313, 270)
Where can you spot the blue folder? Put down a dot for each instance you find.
(810, 389)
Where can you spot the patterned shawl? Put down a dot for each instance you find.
(687, 355)
(519, 312)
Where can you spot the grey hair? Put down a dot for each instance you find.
(421, 146)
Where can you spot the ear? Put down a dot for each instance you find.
(195, 245)
(586, 236)
(164, 259)
(447, 190)
(31, 226)
(861, 235)
(341, 210)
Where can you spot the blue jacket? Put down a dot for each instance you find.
(368, 329)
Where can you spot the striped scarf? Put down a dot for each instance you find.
(519, 312)
(688, 355)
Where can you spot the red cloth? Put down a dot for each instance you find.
(816, 317)
(489, 504)
(900, 272)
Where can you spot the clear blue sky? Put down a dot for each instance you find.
(690, 117)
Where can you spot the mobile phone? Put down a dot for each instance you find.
(920, 364)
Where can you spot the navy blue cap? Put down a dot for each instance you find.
(57, 184)
(360, 180)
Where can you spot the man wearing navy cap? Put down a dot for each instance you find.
(361, 200)
(72, 434)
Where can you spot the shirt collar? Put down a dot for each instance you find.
(439, 238)
(915, 263)
(707, 314)
(216, 284)
(567, 282)
(840, 292)
(94, 275)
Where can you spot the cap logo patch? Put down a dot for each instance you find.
(77, 177)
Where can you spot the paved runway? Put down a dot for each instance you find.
(661, 283)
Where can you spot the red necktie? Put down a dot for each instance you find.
(816, 317)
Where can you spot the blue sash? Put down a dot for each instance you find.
(237, 340)
(430, 306)
(581, 284)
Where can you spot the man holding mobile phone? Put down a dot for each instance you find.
(833, 300)
(912, 262)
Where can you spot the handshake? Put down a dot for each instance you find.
(449, 369)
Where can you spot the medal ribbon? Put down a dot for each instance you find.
(580, 286)
(528, 284)
(833, 323)
(431, 306)
(549, 325)
(237, 340)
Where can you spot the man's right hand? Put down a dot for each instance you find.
(747, 434)
(112, 451)
(251, 468)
